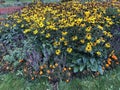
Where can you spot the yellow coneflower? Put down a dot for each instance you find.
(58, 51)
(74, 38)
(65, 43)
(88, 48)
(100, 27)
(87, 13)
(62, 39)
(88, 29)
(98, 41)
(47, 35)
(88, 36)
(69, 50)
(107, 45)
(35, 31)
(82, 41)
(64, 33)
(98, 53)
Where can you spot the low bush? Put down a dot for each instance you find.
(61, 40)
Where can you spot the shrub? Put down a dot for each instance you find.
(64, 36)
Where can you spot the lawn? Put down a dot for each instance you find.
(109, 81)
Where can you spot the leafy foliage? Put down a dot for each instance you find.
(60, 40)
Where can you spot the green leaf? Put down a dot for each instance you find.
(92, 61)
(94, 67)
(82, 66)
(78, 61)
(84, 60)
(16, 63)
(76, 69)
(100, 70)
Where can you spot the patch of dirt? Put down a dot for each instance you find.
(9, 10)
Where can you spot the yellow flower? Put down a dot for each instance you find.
(6, 25)
(88, 29)
(83, 25)
(58, 51)
(79, 20)
(62, 39)
(100, 27)
(42, 32)
(56, 43)
(90, 43)
(47, 35)
(88, 36)
(107, 25)
(19, 21)
(88, 48)
(69, 50)
(98, 41)
(91, 19)
(14, 25)
(107, 19)
(102, 39)
(107, 45)
(35, 31)
(109, 35)
(74, 38)
(111, 23)
(98, 53)
(64, 33)
(22, 25)
(41, 25)
(82, 41)
(105, 32)
(87, 13)
(65, 43)
(26, 31)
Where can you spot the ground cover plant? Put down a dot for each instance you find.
(61, 41)
(109, 81)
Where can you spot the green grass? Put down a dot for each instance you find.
(12, 82)
(109, 81)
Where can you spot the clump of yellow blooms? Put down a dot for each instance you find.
(70, 27)
(66, 24)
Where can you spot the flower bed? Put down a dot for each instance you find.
(60, 41)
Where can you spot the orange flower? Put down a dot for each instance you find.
(64, 69)
(44, 65)
(51, 66)
(21, 61)
(49, 78)
(103, 68)
(56, 64)
(107, 65)
(41, 67)
(48, 71)
(67, 80)
(25, 70)
(109, 60)
(114, 57)
(69, 68)
(32, 78)
(41, 72)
